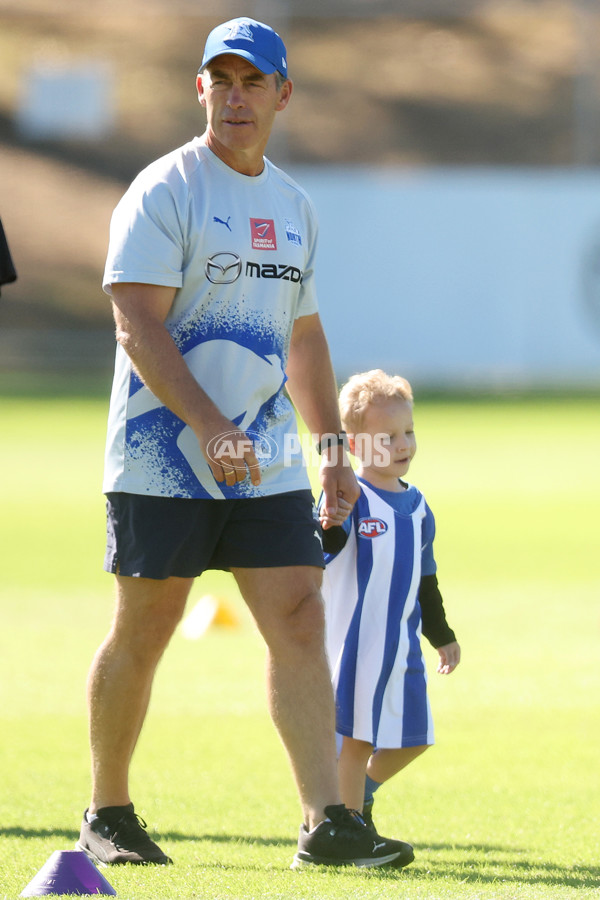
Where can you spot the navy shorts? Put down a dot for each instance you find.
(157, 537)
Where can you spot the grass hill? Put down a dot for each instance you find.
(490, 83)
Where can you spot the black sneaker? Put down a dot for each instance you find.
(344, 840)
(406, 856)
(123, 840)
(367, 815)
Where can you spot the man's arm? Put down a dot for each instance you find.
(140, 311)
(312, 387)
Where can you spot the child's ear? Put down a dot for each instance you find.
(351, 444)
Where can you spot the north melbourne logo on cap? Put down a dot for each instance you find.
(240, 30)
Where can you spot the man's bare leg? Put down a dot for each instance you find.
(120, 678)
(286, 604)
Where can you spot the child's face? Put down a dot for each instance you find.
(387, 452)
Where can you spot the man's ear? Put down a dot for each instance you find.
(200, 89)
(284, 97)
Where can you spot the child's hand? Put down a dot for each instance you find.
(449, 658)
(329, 519)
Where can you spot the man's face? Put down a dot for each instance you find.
(240, 103)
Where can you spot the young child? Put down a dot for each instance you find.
(381, 594)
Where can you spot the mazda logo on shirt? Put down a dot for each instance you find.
(223, 268)
(226, 267)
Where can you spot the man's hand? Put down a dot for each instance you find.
(230, 455)
(340, 487)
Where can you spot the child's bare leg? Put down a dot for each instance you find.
(384, 764)
(352, 766)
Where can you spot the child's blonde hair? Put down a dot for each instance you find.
(365, 389)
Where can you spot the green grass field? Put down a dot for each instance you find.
(507, 805)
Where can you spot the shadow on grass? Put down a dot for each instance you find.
(16, 832)
(250, 839)
(509, 872)
(502, 864)
(71, 834)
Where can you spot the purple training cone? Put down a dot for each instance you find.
(68, 872)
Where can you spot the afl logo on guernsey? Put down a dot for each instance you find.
(371, 528)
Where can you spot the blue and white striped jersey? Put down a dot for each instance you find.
(373, 619)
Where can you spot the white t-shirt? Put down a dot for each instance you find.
(240, 251)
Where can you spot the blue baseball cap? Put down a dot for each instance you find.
(250, 39)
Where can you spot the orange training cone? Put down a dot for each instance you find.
(209, 610)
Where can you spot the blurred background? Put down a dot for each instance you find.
(452, 151)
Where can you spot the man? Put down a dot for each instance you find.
(210, 267)
(8, 273)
